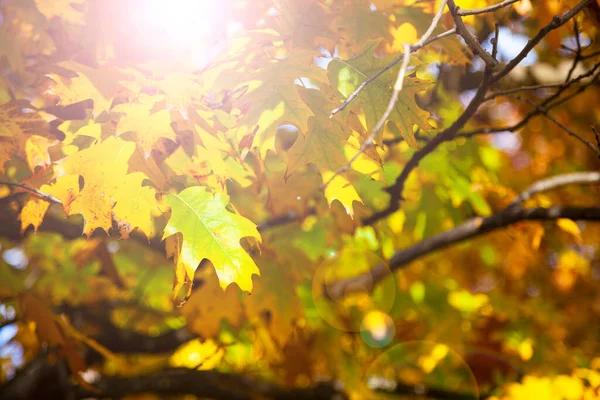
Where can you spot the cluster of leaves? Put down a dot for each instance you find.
(218, 163)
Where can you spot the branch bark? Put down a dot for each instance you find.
(207, 384)
(471, 41)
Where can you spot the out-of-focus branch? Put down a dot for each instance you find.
(206, 384)
(549, 103)
(556, 22)
(565, 128)
(475, 227)
(597, 136)
(10, 228)
(556, 182)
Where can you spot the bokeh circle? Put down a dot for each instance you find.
(419, 368)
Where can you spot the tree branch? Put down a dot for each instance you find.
(397, 89)
(596, 135)
(547, 103)
(471, 41)
(42, 195)
(206, 384)
(565, 128)
(488, 9)
(556, 182)
(397, 188)
(474, 227)
(556, 22)
(10, 228)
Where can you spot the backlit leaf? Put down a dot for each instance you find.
(210, 231)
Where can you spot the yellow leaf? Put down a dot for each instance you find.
(103, 167)
(36, 151)
(69, 10)
(272, 98)
(568, 387)
(24, 131)
(101, 85)
(532, 388)
(136, 209)
(149, 125)
(197, 355)
(210, 231)
(47, 328)
(65, 189)
(33, 213)
(210, 304)
(569, 226)
(405, 33)
(341, 189)
(274, 291)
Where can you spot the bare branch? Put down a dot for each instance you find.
(596, 135)
(548, 103)
(507, 92)
(474, 227)
(488, 9)
(577, 52)
(397, 89)
(207, 384)
(42, 195)
(495, 41)
(555, 182)
(554, 24)
(471, 41)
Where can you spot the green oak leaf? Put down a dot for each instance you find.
(273, 99)
(347, 75)
(210, 231)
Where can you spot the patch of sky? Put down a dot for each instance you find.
(15, 257)
(509, 46)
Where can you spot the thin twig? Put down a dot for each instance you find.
(506, 92)
(397, 89)
(577, 52)
(591, 55)
(597, 136)
(471, 40)
(395, 61)
(547, 103)
(545, 112)
(560, 86)
(495, 41)
(488, 9)
(42, 195)
(556, 22)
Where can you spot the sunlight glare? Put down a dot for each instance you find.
(180, 24)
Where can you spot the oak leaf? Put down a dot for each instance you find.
(149, 125)
(210, 231)
(108, 189)
(347, 75)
